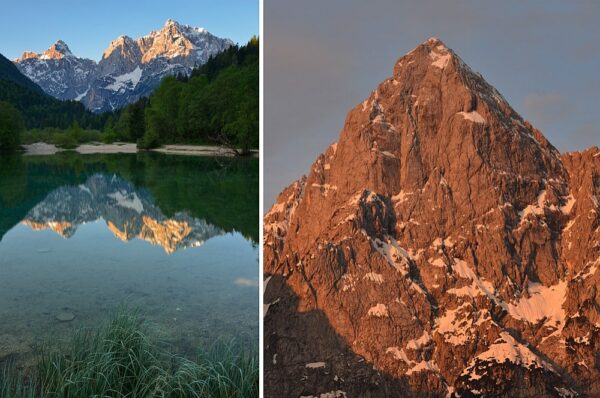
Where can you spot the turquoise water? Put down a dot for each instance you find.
(82, 235)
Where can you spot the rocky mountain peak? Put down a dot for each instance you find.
(445, 239)
(58, 50)
(124, 44)
(61, 48)
(171, 29)
(171, 22)
(434, 58)
(416, 126)
(122, 56)
(173, 40)
(174, 26)
(27, 55)
(58, 71)
(432, 52)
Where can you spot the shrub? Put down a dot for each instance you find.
(109, 137)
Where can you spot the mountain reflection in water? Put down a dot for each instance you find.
(223, 192)
(128, 213)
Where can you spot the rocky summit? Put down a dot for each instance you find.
(441, 248)
(129, 69)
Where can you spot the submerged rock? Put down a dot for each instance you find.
(65, 317)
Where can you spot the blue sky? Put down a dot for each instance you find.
(89, 26)
(324, 57)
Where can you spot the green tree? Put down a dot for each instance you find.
(74, 132)
(11, 127)
(137, 125)
(161, 113)
(154, 126)
(40, 110)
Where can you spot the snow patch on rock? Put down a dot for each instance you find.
(473, 116)
(440, 57)
(131, 201)
(424, 366)
(543, 303)
(399, 354)
(128, 80)
(374, 277)
(396, 256)
(452, 326)
(478, 287)
(378, 310)
(422, 341)
(506, 348)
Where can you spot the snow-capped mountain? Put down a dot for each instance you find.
(128, 70)
(57, 71)
(441, 248)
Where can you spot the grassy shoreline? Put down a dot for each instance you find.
(125, 357)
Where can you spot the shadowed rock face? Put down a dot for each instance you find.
(312, 352)
(128, 213)
(447, 241)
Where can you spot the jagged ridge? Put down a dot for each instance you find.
(128, 70)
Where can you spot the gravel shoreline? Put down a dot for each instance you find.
(42, 148)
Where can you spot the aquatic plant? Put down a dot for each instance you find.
(126, 358)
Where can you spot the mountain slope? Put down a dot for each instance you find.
(38, 108)
(60, 73)
(9, 72)
(446, 241)
(129, 69)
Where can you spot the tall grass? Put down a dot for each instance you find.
(125, 358)
(13, 384)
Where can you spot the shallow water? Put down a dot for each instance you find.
(172, 236)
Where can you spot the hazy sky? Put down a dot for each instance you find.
(88, 27)
(324, 57)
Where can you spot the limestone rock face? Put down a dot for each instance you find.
(446, 241)
(122, 56)
(191, 45)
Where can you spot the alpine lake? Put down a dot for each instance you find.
(83, 236)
